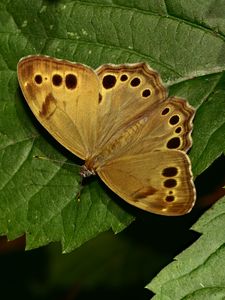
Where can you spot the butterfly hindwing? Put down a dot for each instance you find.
(158, 182)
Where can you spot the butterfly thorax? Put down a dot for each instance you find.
(113, 147)
(118, 143)
(86, 172)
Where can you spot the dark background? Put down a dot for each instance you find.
(109, 266)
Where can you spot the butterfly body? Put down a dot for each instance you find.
(121, 122)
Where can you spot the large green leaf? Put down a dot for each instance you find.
(198, 272)
(184, 41)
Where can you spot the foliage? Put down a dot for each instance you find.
(184, 41)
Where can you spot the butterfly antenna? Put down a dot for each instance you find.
(51, 159)
(80, 188)
(80, 181)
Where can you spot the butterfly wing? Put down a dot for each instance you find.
(158, 182)
(143, 139)
(64, 98)
(127, 91)
(135, 115)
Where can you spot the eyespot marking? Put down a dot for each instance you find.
(57, 79)
(135, 82)
(174, 120)
(173, 143)
(170, 198)
(146, 93)
(109, 81)
(169, 183)
(123, 77)
(170, 172)
(178, 129)
(165, 111)
(38, 78)
(71, 81)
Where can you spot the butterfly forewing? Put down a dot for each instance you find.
(136, 116)
(127, 92)
(64, 98)
(166, 127)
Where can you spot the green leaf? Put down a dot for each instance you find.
(184, 41)
(198, 272)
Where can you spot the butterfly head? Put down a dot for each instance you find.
(85, 172)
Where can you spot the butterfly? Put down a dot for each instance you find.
(120, 121)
